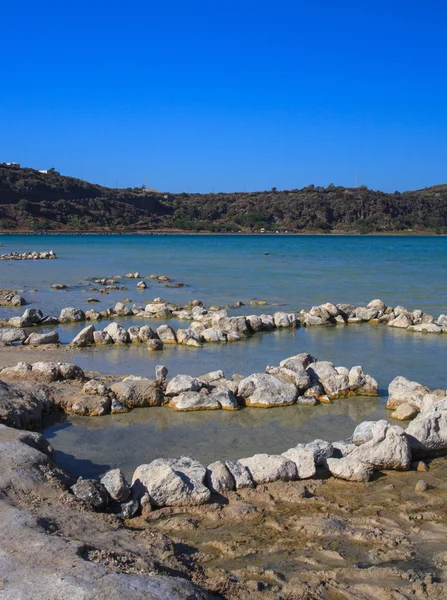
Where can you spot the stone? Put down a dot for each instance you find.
(20, 322)
(141, 285)
(255, 323)
(265, 468)
(402, 390)
(161, 372)
(225, 398)
(350, 469)
(213, 334)
(421, 486)
(282, 319)
(321, 450)
(363, 433)
(70, 314)
(154, 345)
(118, 407)
(336, 386)
(129, 509)
(33, 315)
(404, 412)
(304, 460)
(403, 321)
(194, 401)
(122, 310)
(430, 399)
(38, 339)
(93, 315)
(68, 371)
(237, 325)
(46, 371)
(264, 390)
(146, 333)
(84, 337)
(316, 390)
(116, 485)
(302, 378)
(102, 337)
(95, 388)
(378, 304)
(307, 400)
(118, 334)
(136, 392)
(188, 337)
(362, 384)
(88, 405)
(172, 482)
(426, 328)
(427, 433)
(387, 449)
(331, 309)
(241, 475)
(219, 478)
(10, 336)
(342, 448)
(365, 314)
(23, 406)
(166, 334)
(213, 376)
(320, 370)
(134, 334)
(183, 383)
(91, 492)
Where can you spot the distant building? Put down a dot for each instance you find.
(44, 171)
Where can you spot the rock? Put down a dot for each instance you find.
(188, 337)
(95, 388)
(378, 304)
(38, 339)
(307, 400)
(22, 406)
(219, 478)
(155, 345)
(321, 450)
(135, 392)
(404, 412)
(135, 275)
(316, 390)
(141, 285)
(88, 405)
(336, 386)
(102, 337)
(68, 371)
(430, 399)
(116, 485)
(225, 398)
(235, 325)
(166, 334)
(264, 391)
(122, 310)
(134, 334)
(320, 370)
(146, 333)
(172, 482)
(427, 433)
(255, 323)
(365, 314)
(194, 401)
(241, 475)
(12, 335)
(331, 309)
(403, 321)
(350, 469)
(265, 468)
(71, 314)
(161, 373)
(362, 384)
(213, 334)
(183, 383)
(363, 433)
(20, 322)
(46, 371)
(118, 334)
(304, 460)
(58, 286)
(420, 465)
(426, 328)
(91, 492)
(118, 407)
(342, 448)
(302, 378)
(421, 486)
(85, 337)
(282, 319)
(310, 320)
(387, 449)
(401, 390)
(33, 315)
(212, 376)
(93, 315)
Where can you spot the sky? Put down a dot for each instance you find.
(207, 96)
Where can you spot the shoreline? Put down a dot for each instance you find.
(242, 233)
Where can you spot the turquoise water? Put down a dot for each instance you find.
(296, 272)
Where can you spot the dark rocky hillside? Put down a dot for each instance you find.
(32, 201)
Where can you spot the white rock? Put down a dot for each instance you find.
(263, 390)
(428, 432)
(265, 468)
(401, 390)
(388, 448)
(219, 478)
(240, 473)
(350, 469)
(304, 460)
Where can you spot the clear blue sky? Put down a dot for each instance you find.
(231, 95)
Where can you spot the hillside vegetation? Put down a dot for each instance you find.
(33, 201)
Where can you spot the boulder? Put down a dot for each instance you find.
(68, 371)
(387, 449)
(282, 319)
(265, 468)
(321, 450)
(161, 372)
(378, 304)
(426, 328)
(213, 334)
(122, 310)
(87, 405)
(366, 314)
(427, 433)
(404, 391)
(241, 475)
(336, 386)
(304, 460)
(403, 321)
(102, 337)
(84, 337)
(9, 336)
(134, 334)
(194, 401)
(363, 433)
(92, 315)
(33, 315)
(172, 482)
(116, 485)
(404, 412)
(22, 406)
(225, 398)
(39, 339)
(146, 333)
(307, 400)
(118, 334)
(70, 314)
(166, 334)
(264, 390)
(255, 323)
(135, 392)
(362, 384)
(141, 285)
(154, 345)
(331, 309)
(219, 478)
(320, 370)
(91, 492)
(183, 383)
(301, 377)
(188, 337)
(350, 469)
(237, 325)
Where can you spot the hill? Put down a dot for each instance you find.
(34, 201)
